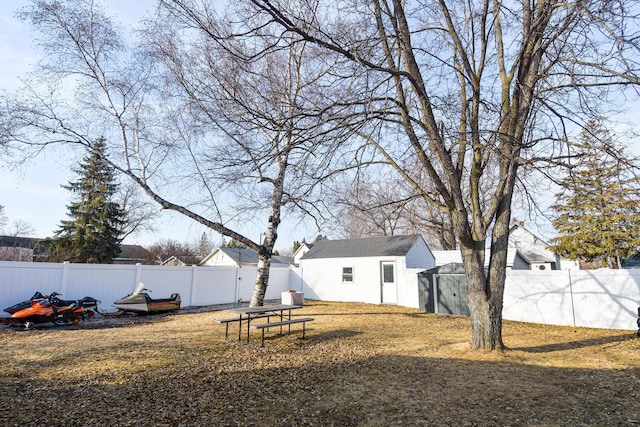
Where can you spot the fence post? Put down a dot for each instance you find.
(138, 275)
(65, 278)
(573, 307)
(193, 286)
(435, 292)
(237, 295)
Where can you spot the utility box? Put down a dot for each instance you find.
(293, 298)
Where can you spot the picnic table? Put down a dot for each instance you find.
(247, 316)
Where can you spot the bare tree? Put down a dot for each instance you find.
(164, 249)
(3, 218)
(200, 118)
(385, 204)
(469, 91)
(17, 228)
(140, 212)
(21, 228)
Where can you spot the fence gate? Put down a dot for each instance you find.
(443, 290)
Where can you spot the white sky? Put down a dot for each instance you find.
(33, 193)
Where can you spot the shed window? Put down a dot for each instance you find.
(347, 274)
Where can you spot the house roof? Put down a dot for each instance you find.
(132, 252)
(373, 246)
(128, 254)
(537, 252)
(182, 260)
(455, 257)
(302, 246)
(247, 256)
(39, 246)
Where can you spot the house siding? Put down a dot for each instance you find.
(420, 256)
(220, 259)
(520, 263)
(322, 279)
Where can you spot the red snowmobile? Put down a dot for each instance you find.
(52, 309)
(25, 304)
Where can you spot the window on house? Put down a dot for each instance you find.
(387, 273)
(347, 274)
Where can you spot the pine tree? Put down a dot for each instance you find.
(598, 214)
(92, 235)
(235, 244)
(204, 246)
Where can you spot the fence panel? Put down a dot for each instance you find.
(606, 298)
(279, 281)
(214, 285)
(538, 296)
(20, 280)
(591, 298)
(101, 281)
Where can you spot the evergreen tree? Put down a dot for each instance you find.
(598, 214)
(236, 244)
(92, 235)
(204, 246)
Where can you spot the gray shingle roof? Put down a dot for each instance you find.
(249, 256)
(373, 246)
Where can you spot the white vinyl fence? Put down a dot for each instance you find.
(602, 298)
(590, 298)
(197, 286)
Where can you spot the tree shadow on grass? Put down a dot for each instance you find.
(572, 345)
(333, 335)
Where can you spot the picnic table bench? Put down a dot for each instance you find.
(247, 315)
(282, 323)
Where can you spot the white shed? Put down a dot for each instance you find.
(377, 270)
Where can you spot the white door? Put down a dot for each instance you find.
(389, 286)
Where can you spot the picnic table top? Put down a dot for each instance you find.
(263, 309)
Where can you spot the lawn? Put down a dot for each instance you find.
(360, 365)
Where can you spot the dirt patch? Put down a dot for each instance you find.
(360, 365)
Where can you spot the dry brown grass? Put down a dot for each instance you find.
(361, 365)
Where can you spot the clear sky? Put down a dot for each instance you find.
(32, 193)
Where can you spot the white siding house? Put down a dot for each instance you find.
(239, 257)
(378, 270)
(536, 250)
(515, 259)
(299, 253)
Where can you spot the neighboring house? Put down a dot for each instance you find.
(373, 270)
(632, 262)
(535, 249)
(132, 254)
(30, 249)
(239, 257)
(515, 259)
(302, 249)
(26, 249)
(526, 251)
(181, 261)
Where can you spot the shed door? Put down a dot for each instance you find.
(452, 294)
(389, 286)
